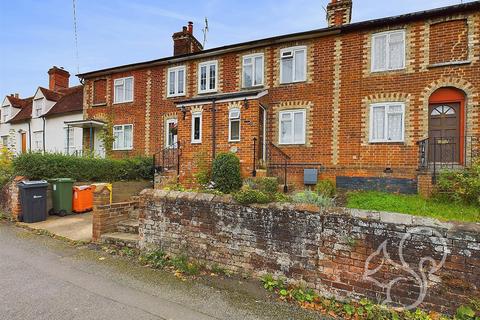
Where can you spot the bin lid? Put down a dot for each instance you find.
(33, 184)
(64, 180)
(81, 187)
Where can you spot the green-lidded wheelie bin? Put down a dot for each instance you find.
(62, 190)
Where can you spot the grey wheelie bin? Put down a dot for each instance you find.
(33, 199)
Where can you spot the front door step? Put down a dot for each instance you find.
(121, 239)
(128, 226)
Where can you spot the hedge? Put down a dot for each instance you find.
(54, 165)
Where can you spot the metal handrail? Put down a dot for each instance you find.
(167, 159)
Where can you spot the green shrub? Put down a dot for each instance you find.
(203, 174)
(314, 198)
(6, 168)
(460, 186)
(268, 184)
(326, 188)
(248, 196)
(226, 173)
(55, 165)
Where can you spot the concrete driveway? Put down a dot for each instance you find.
(46, 278)
(77, 227)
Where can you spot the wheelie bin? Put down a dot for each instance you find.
(62, 196)
(33, 200)
(82, 199)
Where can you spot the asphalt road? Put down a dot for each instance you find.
(45, 278)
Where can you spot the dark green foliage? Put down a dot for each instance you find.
(462, 186)
(268, 185)
(226, 173)
(326, 188)
(249, 196)
(54, 165)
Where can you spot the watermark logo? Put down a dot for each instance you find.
(419, 274)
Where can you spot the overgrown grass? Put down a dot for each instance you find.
(413, 204)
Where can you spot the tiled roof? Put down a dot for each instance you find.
(70, 101)
(25, 113)
(16, 102)
(51, 95)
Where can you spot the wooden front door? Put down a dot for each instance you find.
(444, 133)
(24, 142)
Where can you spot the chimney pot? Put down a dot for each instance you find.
(190, 27)
(16, 95)
(58, 78)
(184, 42)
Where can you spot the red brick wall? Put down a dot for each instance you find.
(100, 92)
(448, 41)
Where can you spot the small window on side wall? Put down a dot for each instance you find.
(388, 51)
(292, 127)
(387, 122)
(197, 127)
(234, 125)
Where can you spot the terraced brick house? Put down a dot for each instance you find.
(40, 123)
(380, 104)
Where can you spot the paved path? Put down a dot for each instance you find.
(44, 278)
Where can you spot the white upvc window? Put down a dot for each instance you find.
(5, 113)
(123, 135)
(69, 139)
(38, 107)
(253, 70)
(176, 81)
(4, 141)
(292, 127)
(197, 127)
(123, 90)
(388, 51)
(207, 76)
(293, 64)
(387, 122)
(38, 140)
(234, 125)
(171, 133)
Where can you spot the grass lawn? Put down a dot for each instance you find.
(412, 204)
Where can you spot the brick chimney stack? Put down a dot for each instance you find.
(339, 12)
(58, 79)
(184, 42)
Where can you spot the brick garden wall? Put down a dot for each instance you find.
(107, 217)
(10, 199)
(327, 250)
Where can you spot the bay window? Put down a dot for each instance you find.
(387, 121)
(252, 70)
(123, 90)
(176, 81)
(292, 127)
(293, 64)
(388, 51)
(123, 137)
(207, 76)
(234, 125)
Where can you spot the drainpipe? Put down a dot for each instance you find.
(43, 134)
(214, 138)
(29, 137)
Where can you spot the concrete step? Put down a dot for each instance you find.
(128, 226)
(121, 239)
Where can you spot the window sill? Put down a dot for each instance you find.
(99, 104)
(200, 93)
(259, 86)
(449, 64)
(292, 83)
(122, 149)
(380, 72)
(176, 96)
(292, 144)
(387, 142)
(123, 102)
(196, 142)
(234, 141)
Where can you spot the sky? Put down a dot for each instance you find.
(38, 34)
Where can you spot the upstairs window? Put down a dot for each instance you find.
(293, 64)
(196, 127)
(387, 122)
(37, 107)
(252, 70)
(123, 135)
(207, 76)
(234, 125)
(123, 90)
(5, 114)
(176, 81)
(292, 127)
(388, 51)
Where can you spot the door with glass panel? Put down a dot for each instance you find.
(444, 125)
(171, 137)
